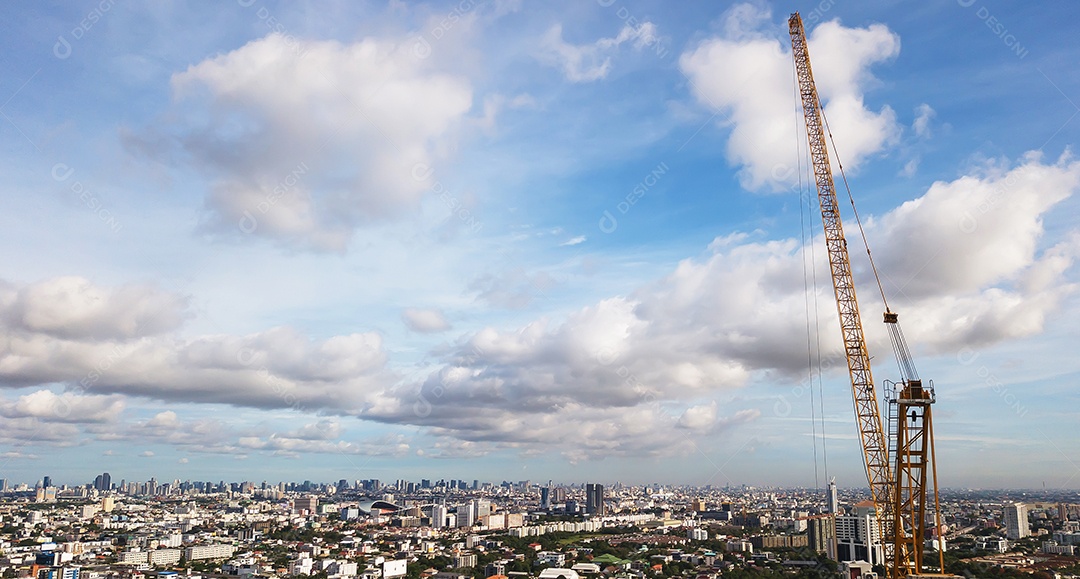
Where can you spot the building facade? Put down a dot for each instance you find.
(1016, 521)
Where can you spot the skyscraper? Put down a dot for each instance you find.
(831, 501)
(1016, 521)
(594, 499)
(46, 481)
(545, 498)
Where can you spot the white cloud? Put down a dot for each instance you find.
(147, 454)
(392, 445)
(74, 308)
(968, 263)
(745, 76)
(514, 289)
(965, 257)
(633, 375)
(275, 368)
(425, 320)
(49, 407)
(18, 455)
(573, 241)
(592, 62)
(924, 113)
(306, 143)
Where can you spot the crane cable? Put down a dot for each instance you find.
(803, 219)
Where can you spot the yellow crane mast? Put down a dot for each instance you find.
(898, 488)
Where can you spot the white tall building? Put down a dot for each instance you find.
(1016, 521)
(466, 514)
(858, 537)
(831, 501)
(438, 516)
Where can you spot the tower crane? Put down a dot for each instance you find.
(898, 487)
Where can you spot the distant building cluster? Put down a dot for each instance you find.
(364, 529)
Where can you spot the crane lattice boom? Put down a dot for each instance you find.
(899, 489)
(867, 410)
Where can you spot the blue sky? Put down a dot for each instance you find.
(513, 240)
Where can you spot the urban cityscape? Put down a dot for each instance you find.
(457, 529)
(523, 289)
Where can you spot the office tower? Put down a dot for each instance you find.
(545, 498)
(342, 485)
(1016, 521)
(594, 499)
(46, 481)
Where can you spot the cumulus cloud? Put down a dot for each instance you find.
(68, 407)
(967, 263)
(644, 374)
(592, 62)
(74, 308)
(965, 257)
(304, 143)
(425, 320)
(275, 368)
(744, 76)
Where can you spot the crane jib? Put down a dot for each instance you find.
(898, 488)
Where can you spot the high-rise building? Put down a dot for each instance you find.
(482, 507)
(1016, 521)
(697, 505)
(857, 535)
(438, 516)
(832, 504)
(594, 499)
(466, 514)
(821, 534)
(103, 482)
(545, 498)
(342, 485)
(46, 481)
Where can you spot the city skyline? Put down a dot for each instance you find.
(571, 241)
